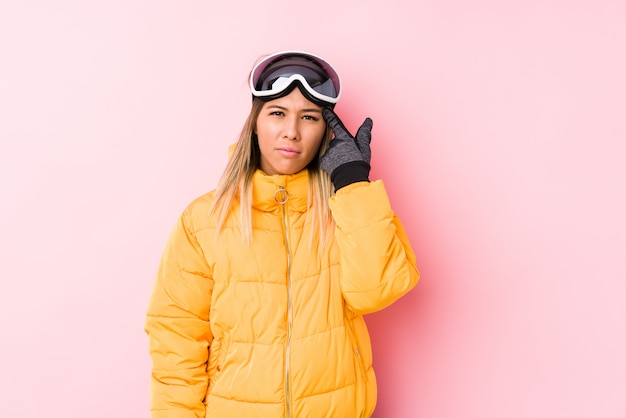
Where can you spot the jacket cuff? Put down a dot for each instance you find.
(349, 173)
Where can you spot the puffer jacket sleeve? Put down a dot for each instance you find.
(178, 329)
(376, 260)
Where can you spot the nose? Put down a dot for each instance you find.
(291, 128)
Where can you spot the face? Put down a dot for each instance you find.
(290, 130)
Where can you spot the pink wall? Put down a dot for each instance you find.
(499, 128)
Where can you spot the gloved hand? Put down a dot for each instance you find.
(347, 159)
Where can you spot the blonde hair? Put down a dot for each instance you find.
(236, 183)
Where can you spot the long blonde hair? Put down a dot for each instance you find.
(236, 183)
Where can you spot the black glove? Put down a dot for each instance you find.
(347, 159)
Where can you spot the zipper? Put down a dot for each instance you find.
(282, 196)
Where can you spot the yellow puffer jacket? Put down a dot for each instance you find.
(275, 329)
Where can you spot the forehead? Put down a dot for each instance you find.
(293, 101)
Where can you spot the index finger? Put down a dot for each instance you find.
(334, 122)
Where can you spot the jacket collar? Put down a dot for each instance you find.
(265, 188)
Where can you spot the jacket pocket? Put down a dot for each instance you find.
(366, 390)
(360, 385)
(217, 354)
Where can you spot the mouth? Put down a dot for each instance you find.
(288, 152)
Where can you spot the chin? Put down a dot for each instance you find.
(291, 170)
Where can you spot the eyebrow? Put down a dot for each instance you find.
(301, 110)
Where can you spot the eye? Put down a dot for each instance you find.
(277, 113)
(311, 117)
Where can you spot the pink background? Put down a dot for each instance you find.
(499, 129)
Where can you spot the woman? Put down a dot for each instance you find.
(258, 306)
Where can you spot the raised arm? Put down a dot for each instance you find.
(377, 262)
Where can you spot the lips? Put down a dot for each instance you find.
(288, 152)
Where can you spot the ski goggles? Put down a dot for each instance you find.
(278, 74)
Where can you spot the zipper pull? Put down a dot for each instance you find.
(281, 196)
